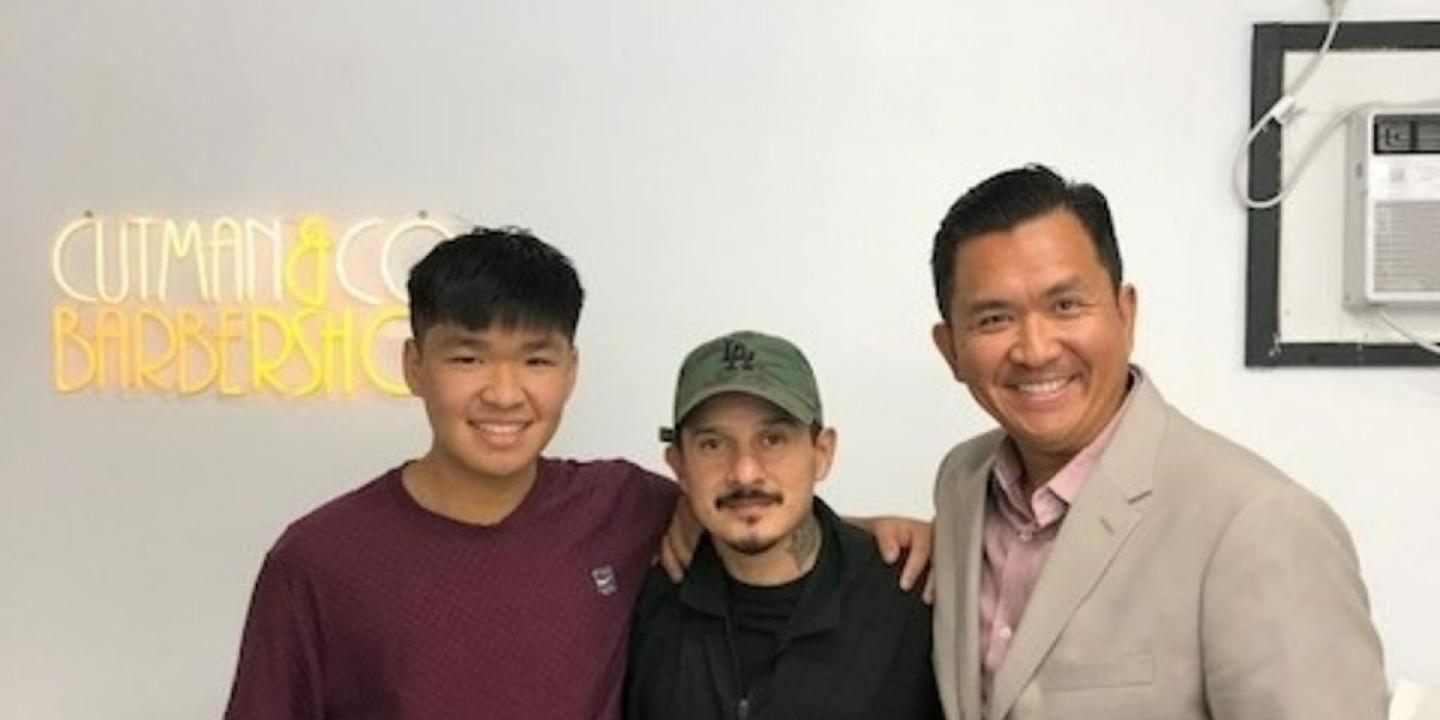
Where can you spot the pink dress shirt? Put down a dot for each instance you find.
(1019, 533)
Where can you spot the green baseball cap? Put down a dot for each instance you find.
(768, 367)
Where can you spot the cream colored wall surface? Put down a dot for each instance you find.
(709, 165)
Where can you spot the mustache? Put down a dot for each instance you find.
(746, 494)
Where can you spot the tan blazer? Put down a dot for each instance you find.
(1189, 579)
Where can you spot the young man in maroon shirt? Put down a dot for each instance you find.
(481, 580)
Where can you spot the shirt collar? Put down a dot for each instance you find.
(818, 610)
(1008, 473)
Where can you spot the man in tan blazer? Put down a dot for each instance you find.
(1100, 555)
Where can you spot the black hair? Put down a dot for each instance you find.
(1010, 198)
(495, 277)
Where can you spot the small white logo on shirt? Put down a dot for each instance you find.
(604, 577)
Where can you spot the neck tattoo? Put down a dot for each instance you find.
(804, 543)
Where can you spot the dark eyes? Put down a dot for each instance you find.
(533, 361)
(998, 320)
(774, 439)
(769, 440)
(1068, 305)
(991, 321)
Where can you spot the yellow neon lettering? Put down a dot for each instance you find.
(314, 242)
(178, 245)
(339, 354)
(148, 368)
(253, 231)
(227, 334)
(192, 332)
(101, 342)
(66, 331)
(341, 273)
(263, 370)
(124, 261)
(393, 313)
(57, 258)
(225, 238)
(111, 346)
(388, 248)
(143, 223)
(310, 353)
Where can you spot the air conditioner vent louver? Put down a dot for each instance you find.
(1407, 246)
(1392, 234)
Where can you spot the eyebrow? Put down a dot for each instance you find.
(1064, 287)
(771, 421)
(545, 343)
(985, 306)
(478, 342)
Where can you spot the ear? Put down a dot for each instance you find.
(573, 372)
(410, 361)
(944, 339)
(1128, 304)
(825, 445)
(676, 462)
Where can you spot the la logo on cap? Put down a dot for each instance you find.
(737, 356)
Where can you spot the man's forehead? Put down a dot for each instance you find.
(713, 414)
(452, 333)
(969, 296)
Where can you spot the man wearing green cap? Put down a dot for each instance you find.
(787, 611)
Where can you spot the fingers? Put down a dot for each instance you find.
(671, 560)
(916, 563)
(929, 593)
(677, 547)
(889, 547)
(917, 560)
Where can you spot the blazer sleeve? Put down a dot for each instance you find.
(1285, 622)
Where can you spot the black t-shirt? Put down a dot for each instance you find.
(758, 616)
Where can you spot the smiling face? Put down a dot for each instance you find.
(494, 397)
(1039, 335)
(749, 470)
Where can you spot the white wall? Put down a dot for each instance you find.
(709, 165)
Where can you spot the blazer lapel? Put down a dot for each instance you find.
(971, 536)
(1093, 531)
(959, 530)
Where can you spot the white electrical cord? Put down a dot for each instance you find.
(1412, 337)
(1280, 112)
(1285, 108)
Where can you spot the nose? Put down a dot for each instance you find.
(747, 469)
(502, 387)
(1036, 344)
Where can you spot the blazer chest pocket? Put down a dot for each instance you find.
(1138, 669)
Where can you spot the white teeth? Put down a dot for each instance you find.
(500, 428)
(1042, 388)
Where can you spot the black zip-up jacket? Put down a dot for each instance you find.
(857, 646)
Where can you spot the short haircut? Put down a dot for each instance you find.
(495, 278)
(1010, 198)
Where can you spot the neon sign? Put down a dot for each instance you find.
(236, 306)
